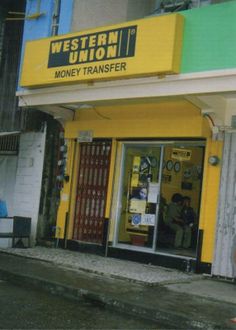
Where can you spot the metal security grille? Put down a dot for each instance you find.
(92, 191)
(9, 144)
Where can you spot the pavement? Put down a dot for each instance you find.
(172, 298)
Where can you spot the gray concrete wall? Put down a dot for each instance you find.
(94, 13)
(139, 8)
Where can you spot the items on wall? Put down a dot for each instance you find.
(166, 178)
(181, 154)
(177, 167)
(143, 192)
(182, 172)
(141, 187)
(143, 219)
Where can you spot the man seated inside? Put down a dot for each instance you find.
(190, 219)
(175, 221)
(187, 212)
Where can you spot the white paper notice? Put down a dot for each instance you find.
(153, 191)
(148, 219)
(137, 206)
(64, 197)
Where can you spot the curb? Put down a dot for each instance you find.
(170, 319)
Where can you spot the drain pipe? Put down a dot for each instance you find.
(56, 17)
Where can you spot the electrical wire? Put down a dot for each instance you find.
(210, 119)
(100, 115)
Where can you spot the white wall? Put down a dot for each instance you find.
(94, 13)
(29, 177)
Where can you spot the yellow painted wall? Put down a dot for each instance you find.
(73, 182)
(66, 196)
(209, 202)
(111, 177)
(140, 109)
(165, 119)
(115, 189)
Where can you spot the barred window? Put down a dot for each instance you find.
(9, 144)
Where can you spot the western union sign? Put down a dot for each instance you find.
(102, 46)
(144, 47)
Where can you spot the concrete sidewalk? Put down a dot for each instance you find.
(175, 299)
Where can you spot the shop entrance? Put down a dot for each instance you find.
(92, 190)
(159, 197)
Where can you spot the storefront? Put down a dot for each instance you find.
(136, 136)
(124, 179)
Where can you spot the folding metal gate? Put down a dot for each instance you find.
(92, 191)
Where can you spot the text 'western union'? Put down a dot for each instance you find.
(100, 46)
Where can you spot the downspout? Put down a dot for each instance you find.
(56, 17)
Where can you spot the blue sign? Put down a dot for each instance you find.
(136, 219)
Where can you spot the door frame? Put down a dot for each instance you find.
(117, 196)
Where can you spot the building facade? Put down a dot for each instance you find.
(146, 99)
(26, 157)
(18, 146)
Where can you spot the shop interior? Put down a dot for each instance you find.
(152, 173)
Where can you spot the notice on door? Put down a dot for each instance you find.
(85, 136)
(153, 192)
(137, 206)
(148, 219)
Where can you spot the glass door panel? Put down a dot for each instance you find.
(182, 174)
(139, 194)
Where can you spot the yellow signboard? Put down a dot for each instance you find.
(181, 154)
(139, 48)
